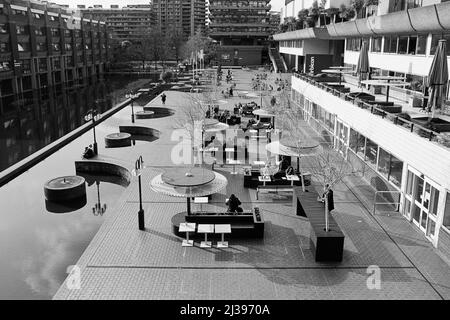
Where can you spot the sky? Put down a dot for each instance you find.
(276, 4)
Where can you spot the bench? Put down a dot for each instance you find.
(273, 188)
(244, 224)
(326, 246)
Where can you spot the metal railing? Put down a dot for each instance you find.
(392, 117)
(396, 203)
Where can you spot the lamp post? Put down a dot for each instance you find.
(98, 208)
(137, 171)
(132, 96)
(93, 115)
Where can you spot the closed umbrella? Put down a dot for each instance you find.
(363, 61)
(438, 77)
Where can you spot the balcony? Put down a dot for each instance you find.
(441, 139)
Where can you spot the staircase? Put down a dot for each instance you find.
(277, 60)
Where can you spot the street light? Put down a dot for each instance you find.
(93, 115)
(137, 171)
(132, 96)
(98, 208)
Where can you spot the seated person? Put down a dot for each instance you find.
(233, 204)
(284, 165)
(290, 171)
(207, 143)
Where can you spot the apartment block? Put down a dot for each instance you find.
(129, 23)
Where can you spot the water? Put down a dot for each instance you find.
(36, 244)
(45, 115)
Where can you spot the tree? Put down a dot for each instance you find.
(175, 41)
(198, 42)
(330, 168)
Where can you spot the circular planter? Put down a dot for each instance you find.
(117, 140)
(65, 188)
(144, 114)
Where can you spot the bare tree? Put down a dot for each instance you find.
(330, 168)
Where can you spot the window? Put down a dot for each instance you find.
(5, 66)
(23, 46)
(26, 66)
(56, 46)
(41, 46)
(376, 44)
(68, 46)
(55, 32)
(390, 167)
(20, 29)
(36, 15)
(4, 46)
(402, 45)
(446, 221)
(371, 152)
(421, 44)
(435, 40)
(412, 45)
(39, 31)
(3, 28)
(19, 12)
(68, 33)
(390, 44)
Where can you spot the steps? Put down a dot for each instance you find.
(277, 60)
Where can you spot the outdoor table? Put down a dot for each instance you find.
(234, 163)
(259, 163)
(385, 84)
(187, 227)
(388, 79)
(201, 200)
(335, 71)
(292, 178)
(222, 229)
(264, 179)
(205, 228)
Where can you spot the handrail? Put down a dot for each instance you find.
(375, 200)
(414, 127)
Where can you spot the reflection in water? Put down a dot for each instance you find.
(98, 208)
(47, 114)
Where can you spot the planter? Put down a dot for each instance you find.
(415, 102)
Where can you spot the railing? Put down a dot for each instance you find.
(392, 117)
(396, 202)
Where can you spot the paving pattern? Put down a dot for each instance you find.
(122, 262)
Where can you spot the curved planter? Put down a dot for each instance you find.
(443, 13)
(392, 23)
(95, 167)
(144, 114)
(117, 140)
(425, 18)
(140, 131)
(65, 188)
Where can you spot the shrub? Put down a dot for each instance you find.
(166, 76)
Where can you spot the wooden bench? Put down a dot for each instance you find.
(273, 188)
(326, 246)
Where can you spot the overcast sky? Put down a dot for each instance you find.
(276, 4)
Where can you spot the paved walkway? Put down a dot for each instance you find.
(122, 262)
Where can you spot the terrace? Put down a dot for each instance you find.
(411, 118)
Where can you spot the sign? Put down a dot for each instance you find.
(316, 62)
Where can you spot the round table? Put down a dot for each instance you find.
(188, 177)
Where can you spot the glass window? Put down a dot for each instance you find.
(20, 29)
(434, 42)
(434, 201)
(376, 44)
(3, 28)
(390, 44)
(371, 152)
(23, 47)
(421, 44)
(446, 221)
(409, 182)
(412, 45)
(5, 66)
(361, 147)
(4, 46)
(353, 142)
(396, 169)
(384, 162)
(402, 45)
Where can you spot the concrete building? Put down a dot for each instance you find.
(125, 24)
(399, 158)
(242, 29)
(187, 16)
(47, 56)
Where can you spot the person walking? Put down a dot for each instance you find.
(163, 98)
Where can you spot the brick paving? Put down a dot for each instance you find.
(122, 262)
